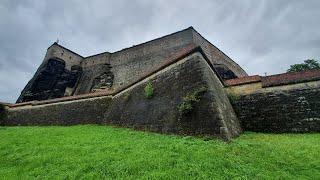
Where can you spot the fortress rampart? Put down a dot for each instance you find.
(195, 89)
(128, 107)
(286, 102)
(119, 68)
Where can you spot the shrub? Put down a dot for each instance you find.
(309, 64)
(148, 90)
(190, 100)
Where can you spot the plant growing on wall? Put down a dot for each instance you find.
(148, 90)
(189, 101)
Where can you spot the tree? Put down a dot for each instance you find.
(309, 64)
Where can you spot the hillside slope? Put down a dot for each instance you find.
(105, 152)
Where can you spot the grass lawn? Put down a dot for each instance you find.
(104, 152)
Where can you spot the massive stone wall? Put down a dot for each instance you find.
(70, 62)
(130, 64)
(218, 58)
(286, 108)
(212, 115)
(69, 57)
(52, 81)
(93, 67)
(88, 111)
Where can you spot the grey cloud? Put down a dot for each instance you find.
(262, 36)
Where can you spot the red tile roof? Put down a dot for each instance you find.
(277, 79)
(243, 80)
(290, 78)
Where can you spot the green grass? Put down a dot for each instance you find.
(105, 152)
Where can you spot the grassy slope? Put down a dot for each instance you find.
(98, 151)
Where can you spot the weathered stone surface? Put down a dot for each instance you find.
(224, 72)
(216, 56)
(51, 81)
(88, 111)
(108, 88)
(212, 115)
(104, 80)
(128, 65)
(293, 110)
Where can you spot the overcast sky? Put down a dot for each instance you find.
(261, 36)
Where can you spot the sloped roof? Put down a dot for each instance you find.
(243, 80)
(277, 79)
(290, 78)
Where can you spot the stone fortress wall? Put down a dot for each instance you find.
(108, 88)
(57, 51)
(216, 56)
(288, 102)
(56, 66)
(129, 64)
(213, 114)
